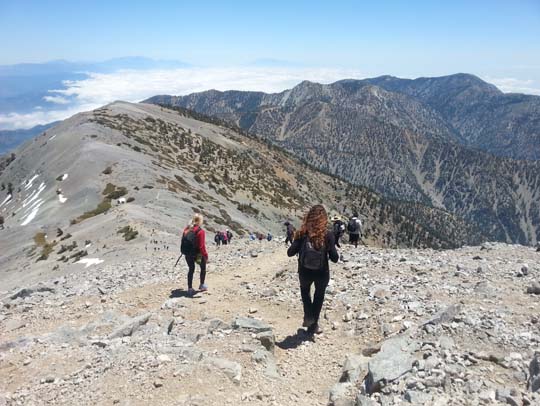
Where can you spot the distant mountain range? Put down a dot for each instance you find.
(168, 164)
(10, 139)
(445, 142)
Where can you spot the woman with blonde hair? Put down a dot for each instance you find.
(194, 249)
(314, 244)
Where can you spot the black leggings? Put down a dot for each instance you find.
(289, 238)
(312, 308)
(191, 265)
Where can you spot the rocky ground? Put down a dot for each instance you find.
(417, 327)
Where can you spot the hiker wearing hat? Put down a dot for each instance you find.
(338, 228)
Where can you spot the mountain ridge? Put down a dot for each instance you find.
(405, 148)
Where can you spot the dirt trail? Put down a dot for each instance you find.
(308, 368)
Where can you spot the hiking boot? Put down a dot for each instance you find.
(191, 292)
(314, 329)
(203, 287)
(308, 322)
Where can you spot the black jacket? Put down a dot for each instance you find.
(331, 252)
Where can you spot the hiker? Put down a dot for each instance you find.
(355, 229)
(290, 232)
(269, 237)
(229, 235)
(314, 245)
(224, 238)
(217, 238)
(338, 229)
(194, 249)
(252, 236)
(260, 236)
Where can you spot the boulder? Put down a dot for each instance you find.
(355, 366)
(533, 384)
(445, 315)
(338, 394)
(393, 361)
(268, 340)
(250, 324)
(363, 400)
(418, 398)
(217, 325)
(27, 292)
(231, 369)
(534, 288)
(131, 326)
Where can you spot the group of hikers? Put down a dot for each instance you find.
(314, 243)
(223, 237)
(353, 228)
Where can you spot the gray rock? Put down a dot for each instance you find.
(445, 315)
(259, 356)
(501, 394)
(354, 366)
(271, 370)
(418, 398)
(338, 394)
(14, 324)
(128, 328)
(217, 325)
(27, 292)
(268, 340)
(447, 343)
(173, 303)
(362, 400)
(231, 369)
(533, 383)
(250, 324)
(393, 361)
(534, 288)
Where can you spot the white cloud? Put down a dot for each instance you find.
(132, 85)
(12, 121)
(513, 85)
(56, 99)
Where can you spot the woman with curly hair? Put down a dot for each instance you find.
(314, 244)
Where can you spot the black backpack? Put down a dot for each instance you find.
(353, 226)
(311, 258)
(337, 228)
(188, 246)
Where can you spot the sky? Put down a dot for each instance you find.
(272, 45)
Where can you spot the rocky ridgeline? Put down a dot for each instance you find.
(418, 327)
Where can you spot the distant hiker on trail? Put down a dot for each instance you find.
(355, 229)
(229, 235)
(338, 228)
(269, 237)
(252, 236)
(260, 236)
(224, 238)
(315, 245)
(194, 249)
(290, 232)
(217, 238)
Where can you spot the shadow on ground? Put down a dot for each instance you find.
(181, 293)
(295, 340)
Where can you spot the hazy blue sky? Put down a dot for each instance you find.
(399, 37)
(268, 46)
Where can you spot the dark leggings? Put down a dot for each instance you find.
(191, 265)
(312, 308)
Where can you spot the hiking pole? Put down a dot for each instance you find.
(178, 260)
